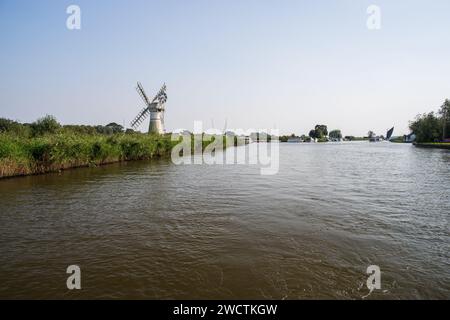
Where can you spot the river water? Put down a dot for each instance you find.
(155, 230)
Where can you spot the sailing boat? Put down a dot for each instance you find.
(389, 133)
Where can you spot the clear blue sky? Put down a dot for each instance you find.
(257, 63)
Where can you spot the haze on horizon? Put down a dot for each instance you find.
(258, 64)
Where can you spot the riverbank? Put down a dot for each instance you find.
(438, 145)
(21, 156)
(24, 155)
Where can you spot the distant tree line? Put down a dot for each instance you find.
(319, 133)
(303, 138)
(49, 125)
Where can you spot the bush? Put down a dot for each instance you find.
(7, 125)
(45, 125)
(40, 150)
(14, 127)
(10, 147)
(133, 148)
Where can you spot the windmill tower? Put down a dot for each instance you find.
(154, 108)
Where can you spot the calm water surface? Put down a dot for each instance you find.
(154, 230)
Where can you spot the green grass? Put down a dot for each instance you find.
(33, 155)
(439, 145)
(26, 155)
(46, 146)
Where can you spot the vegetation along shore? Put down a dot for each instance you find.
(432, 129)
(437, 145)
(46, 146)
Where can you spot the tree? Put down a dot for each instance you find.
(371, 134)
(336, 134)
(427, 127)
(305, 138)
(45, 125)
(80, 129)
(116, 128)
(321, 131)
(445, 114)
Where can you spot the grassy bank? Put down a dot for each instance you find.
(49, 153)
(438, 145)
(47, 146)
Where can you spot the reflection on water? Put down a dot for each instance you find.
(155, 230)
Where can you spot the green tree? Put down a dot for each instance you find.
(116, 128)
(321, 131)
(444, 112)
(283, 138)
(335, 134)
(79, 129)
(312, 134)
(371, 134)
(427, 127)
(45, 125)
(104, 130)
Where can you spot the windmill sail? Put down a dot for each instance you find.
(141, 92)
(389, 133)
(140, 117)
(161, 96)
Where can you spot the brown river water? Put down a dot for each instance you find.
(155, 230)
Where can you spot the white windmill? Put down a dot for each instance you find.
(154, 108)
